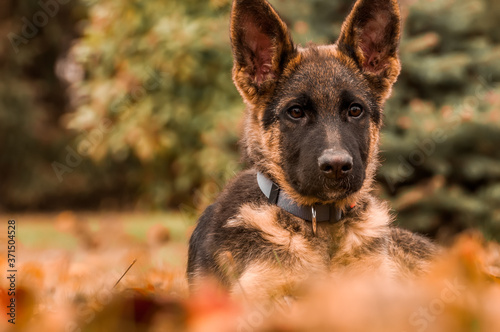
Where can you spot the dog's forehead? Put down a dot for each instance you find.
(325, 50)
(322, 72)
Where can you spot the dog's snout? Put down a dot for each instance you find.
(335, 164)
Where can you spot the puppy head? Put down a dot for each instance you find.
(314, 114)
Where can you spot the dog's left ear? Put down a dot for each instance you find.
(261, 47)
(370, 36)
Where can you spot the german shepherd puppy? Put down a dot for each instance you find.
(304, 208)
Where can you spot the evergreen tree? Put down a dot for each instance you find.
(441, 168)
(154, 107)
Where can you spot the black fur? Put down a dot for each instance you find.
(324, 89)
(210, 238)
(309, 105)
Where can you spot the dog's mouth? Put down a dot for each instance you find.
(328, 190)
(337, 191)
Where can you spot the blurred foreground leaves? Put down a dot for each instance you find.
(71, 289)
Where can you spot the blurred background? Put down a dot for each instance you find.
(128, 105)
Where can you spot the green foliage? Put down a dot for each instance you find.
(31, 101)
(156, 116)
(159, 71)
(440, 170)
(441, 163)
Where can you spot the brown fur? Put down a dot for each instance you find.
(256, 249)
(364, 243)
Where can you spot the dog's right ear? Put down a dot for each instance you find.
(261, 47)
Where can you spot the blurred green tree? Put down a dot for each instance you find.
(441, 169)
(35, 38)
(31, 101)
(152, 104)
(440, 165)
(159, 72)
(441, 162)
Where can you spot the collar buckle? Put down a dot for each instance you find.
(314, 220)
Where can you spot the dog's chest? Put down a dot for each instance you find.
(290, 240)
(293, 246)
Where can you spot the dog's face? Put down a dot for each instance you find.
(314, 114)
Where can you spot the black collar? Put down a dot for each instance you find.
(314, 213)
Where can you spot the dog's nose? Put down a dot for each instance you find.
(335, 164)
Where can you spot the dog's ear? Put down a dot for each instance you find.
(370, 36)
(261, 47)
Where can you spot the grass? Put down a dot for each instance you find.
(43, 231)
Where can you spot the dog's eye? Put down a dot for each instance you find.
(296, 112)
(355, 110)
